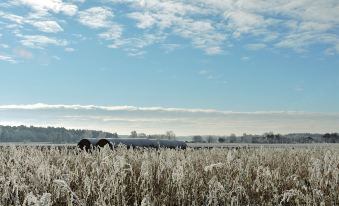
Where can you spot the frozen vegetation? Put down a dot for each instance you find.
(279, 176)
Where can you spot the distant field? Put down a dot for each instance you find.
(191, 145)
(246, 145)
(249, 176)
(34, 144)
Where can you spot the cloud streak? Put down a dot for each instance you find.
(96, 17)
(7, 59)
(40, 41)
(47, 26)
(184, 121)
(42, 106)
(45, 6)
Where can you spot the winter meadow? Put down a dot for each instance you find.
(169, 102)
(256, 176)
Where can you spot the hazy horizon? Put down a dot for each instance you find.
(183, 121)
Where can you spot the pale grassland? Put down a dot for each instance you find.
(277, 176)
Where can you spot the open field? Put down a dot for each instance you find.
(249, 176)
(190, 145)
(252, 145)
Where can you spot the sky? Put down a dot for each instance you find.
(191, 66)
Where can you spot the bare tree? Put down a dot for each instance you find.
(170, 135)
(222, 140)
(210, 139)
(233, 138)
(134, 134)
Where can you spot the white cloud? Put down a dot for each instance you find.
(274, 22)
(300, 41)
(45, 6)
(213, 50)
(78, 1)
(314, 26)
(7, 59)
(145, 20)
(135, 46)
(245, 58)
(42, 106)
(178, 17)
(96, 17)
(113, 33)
(5, 46)
(203, 72)
(69, 49)
(56, 58)
(47, 26)
(12, 17)
(242, 22)
(39, 41)
(202, 33)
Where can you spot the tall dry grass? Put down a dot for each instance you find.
(35, 176)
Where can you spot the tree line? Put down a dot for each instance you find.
(63, 135)
(49, 134)
(270, 138)
(169, 135)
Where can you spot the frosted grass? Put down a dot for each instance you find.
(257, 176)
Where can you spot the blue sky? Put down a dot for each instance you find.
(239, 56)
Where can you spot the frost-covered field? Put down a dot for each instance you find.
(256, 176)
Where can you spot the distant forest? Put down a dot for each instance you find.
(49, 134)
(271, 138)
(62, 135)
